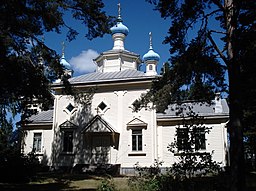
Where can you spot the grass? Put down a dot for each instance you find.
(73, 182)
(64, 182)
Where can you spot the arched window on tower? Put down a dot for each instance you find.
(150, 67)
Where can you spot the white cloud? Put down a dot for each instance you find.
(83, 63)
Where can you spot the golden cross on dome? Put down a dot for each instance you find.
(150, 40)
(119, 9)
(63, 47)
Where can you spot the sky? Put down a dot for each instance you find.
(138, 16)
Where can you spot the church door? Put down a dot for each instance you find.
(100, 149)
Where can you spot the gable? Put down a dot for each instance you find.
(136, 123)
(98, 125)
(68, 125)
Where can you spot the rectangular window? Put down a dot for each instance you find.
(183, 139)
(199, 139)
(137, 140)
(191, 139)
(37, 141)
(68, 141)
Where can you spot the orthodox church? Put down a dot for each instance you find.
(103, 129)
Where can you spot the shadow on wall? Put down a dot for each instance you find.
(84, 149)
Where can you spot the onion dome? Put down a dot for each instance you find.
(151, 54)
(64, 63)
(119, 27)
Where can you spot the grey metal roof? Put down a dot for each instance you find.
(114, 51)
(127, 74)
(42, 117)
(202, 109)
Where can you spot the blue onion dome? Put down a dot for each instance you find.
(64, 63)
(119, 27)
(151, 54)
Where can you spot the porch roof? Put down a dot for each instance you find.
(98, 125)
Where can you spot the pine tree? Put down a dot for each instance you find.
(22, 26)
(207, 40)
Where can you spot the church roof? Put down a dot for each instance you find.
(42, 117)
(117, 51)
(128, 74)
(201, 109)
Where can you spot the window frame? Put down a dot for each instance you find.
(66, 148)
(181, 140)
(198, 140)
(37, 145)
(137, 139)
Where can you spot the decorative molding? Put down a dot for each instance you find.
(137, 123)
(136, 154)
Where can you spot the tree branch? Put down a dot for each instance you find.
(219, 32)
(216, 47)
(218, 4)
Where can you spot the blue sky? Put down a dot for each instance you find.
(138, 16)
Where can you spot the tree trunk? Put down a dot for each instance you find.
(237, 175)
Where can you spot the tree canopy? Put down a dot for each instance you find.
(22, 48)
(212, 48)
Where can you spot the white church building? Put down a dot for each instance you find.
(105, 130)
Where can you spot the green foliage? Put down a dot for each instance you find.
(209, 39)
(184, 80)
(14, 166)
(107, 185)
(28, 66)
(147, 178)
(193, 167)
(192, 160)
(23, 50)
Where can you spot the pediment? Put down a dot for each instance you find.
(98, 125)
(136, 122)
(68, 125)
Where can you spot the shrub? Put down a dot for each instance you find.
(17, 167)
(107, 185)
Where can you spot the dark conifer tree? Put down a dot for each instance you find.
(208, 39)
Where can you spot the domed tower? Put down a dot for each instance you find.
(66, 66)
(151, 58)
(118, 58)
(119, 32)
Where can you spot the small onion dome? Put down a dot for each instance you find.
(64, 63)
(151, 55)
(119, 28)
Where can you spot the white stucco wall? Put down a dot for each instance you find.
(46, 143)
(118, 113)
(216, 142)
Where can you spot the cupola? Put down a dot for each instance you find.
(119, 32)
(151, 58)
(66, 66)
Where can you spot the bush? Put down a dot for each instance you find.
(107, 185)
(147, 178)
(17, 167)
